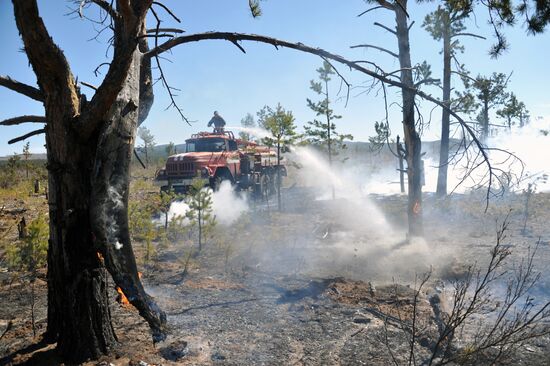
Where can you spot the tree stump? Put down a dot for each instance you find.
(22, 228)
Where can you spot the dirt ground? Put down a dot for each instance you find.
(324, 283)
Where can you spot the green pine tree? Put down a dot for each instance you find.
(200, 214)
(322, 132)
(280, 123)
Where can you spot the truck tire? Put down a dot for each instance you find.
(217, 181)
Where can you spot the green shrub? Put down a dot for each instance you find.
(30, 253)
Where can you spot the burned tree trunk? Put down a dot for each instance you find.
(412, 139)
(89, 145)
(442, 173)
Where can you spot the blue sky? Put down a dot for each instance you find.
(215, 75)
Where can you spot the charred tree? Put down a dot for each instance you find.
(89, 145)
(413, 143)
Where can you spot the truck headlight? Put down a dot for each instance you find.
(205, 172)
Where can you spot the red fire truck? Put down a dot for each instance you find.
(218, 156)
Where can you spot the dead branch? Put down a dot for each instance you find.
(385, 27)
(167, 10)
(468, 35)
(26, 136)
(348, 85)
(88, 85)
(163, 77)
(23, 119)
(376, 48)
(159, 35)
(21, 88)
(107, 7)
(96, 71)
(369, 10)
(168, 30)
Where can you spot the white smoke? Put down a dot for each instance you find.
(177, 209)
(530, 144)
(257, 132)
(349, 184)
(227, 206)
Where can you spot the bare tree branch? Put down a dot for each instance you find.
(376, 48)
(96, 71)
(26, 136)
(26, 90)
(88, 85)
(159, 35)
(369, 10)
(23, 119)
(107, 7)
(385, 27)
(468, 35)
(167, 10)
(163, 77)
(168, 30)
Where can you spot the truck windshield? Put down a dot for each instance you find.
(205, 145)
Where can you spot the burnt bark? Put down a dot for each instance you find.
(413, 144)
(442, 173)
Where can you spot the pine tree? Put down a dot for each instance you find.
(490, 92)
(446, 24)
(322, 132)
(170, 148)
(513, 109)
(247, 122)
(280, 123)
(200, 214)
(148, 143)
(26, 155)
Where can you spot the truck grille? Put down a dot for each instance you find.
(180, 168)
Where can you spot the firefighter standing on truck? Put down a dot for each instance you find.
(218, 123)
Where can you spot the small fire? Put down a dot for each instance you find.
(121, 298)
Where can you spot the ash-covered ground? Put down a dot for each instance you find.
(311, 286)
(324, 282)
